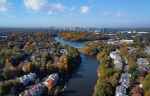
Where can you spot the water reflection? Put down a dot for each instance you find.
(71, 43)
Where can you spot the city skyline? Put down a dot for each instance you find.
(93, 13)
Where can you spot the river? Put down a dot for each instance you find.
(83, 81)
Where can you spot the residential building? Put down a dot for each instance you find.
(117, 59)
(120, 91)
(35, 90)
(26, 79)
(51, 81)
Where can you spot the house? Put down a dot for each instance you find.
(126, 41)
(113, 42)
(35, 90)
(118, 63)
(147, 50)
(116, 42)
(26, 79)
(136, 91)
(63, 51)
(117, 59)
(132, 50)
(51, 81)
(115, 55)
(143, 64)
(120, 91)
(39, 89)
(142, 61)
(144, 68)
(124, 80)
(124, 84)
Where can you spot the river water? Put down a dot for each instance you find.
(83, 81)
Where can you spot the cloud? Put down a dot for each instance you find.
(55, 7)
(3, 5)
(34, 5)
(43, 6)
(84, 9)
(51, 7)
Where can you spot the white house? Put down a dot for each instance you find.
(63, 51)
(51, 81)
(35, 90)
(143, 64)
(142, 61)
(26, 79)
(114, 55)
(126, 41)
(124, 80)
(147, 50)
(120, 91)
(117, 59)
(122, 88)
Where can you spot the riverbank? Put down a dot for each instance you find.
(83, 80)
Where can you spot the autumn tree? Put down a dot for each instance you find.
(147, 93)
(124, 50)
(103, 88)
(146, 83)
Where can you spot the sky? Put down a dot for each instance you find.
(84, 13)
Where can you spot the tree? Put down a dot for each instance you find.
(103, 71)
(63, 64)
(1, 62)
(133, 70)
(136, 91)
(6, 86)
(102, 56)
(3, 89)
(28, 67)
(124, 50)
(114, 79)
(147, 93)
(146, 83)
(103, 88)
